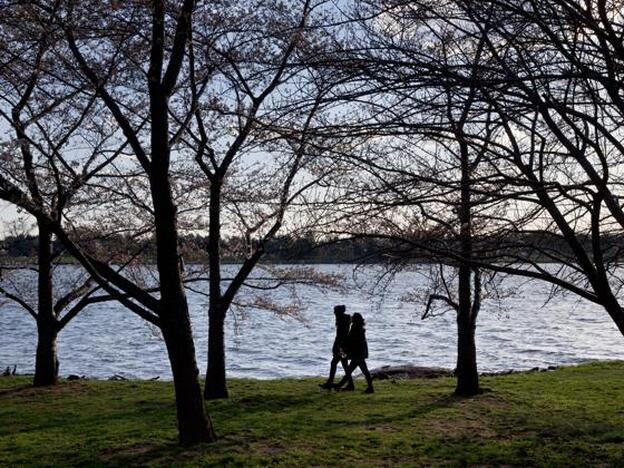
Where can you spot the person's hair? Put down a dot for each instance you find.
(358, 320)
(339, 309)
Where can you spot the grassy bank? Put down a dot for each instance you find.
(572, 416)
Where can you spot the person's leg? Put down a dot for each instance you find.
(348, 371)
(367, 376)
(332, 368)
(332, 373)
(345, 364)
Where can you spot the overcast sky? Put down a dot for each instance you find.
(7, 215)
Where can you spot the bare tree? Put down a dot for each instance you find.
(131, 57)
(553, 81)
(416, 181)
(41, 158)
(550, 87)
(251, 138)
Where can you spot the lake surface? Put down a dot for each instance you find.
(516, 331)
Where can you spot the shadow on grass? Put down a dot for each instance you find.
(128, 429)
(234, 442)
(417, 411)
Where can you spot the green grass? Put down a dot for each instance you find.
(572, 416)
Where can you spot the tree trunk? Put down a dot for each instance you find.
(216, 386)
(612, 306)
(467, 375)
(466, 372)
(46, 365)
(193, 426)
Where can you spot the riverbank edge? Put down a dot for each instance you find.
(386, 372)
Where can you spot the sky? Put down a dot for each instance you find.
(8, 214)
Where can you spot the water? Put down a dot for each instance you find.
(515, 332)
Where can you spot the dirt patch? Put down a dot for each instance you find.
(269, 450)
(387, 428)
(12, 391)
(131, 452)
(457, 427)
(472, 418)
(30, 392)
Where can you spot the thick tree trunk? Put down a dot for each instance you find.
(216, 385)
(193, 426)
(46, 364)
(467, 375)
(466, 371)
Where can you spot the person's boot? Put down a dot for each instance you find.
(369, 389)
(349, 388)
(327, 385)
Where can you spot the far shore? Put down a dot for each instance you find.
(8, 262)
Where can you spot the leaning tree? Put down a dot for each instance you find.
(553, 81)
(552, 84)
(132, 57)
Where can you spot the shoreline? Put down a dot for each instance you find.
(386, 372)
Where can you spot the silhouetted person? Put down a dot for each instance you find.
(357, 352)
(343, 320)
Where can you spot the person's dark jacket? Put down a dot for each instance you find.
(357, 347)
(343, 321)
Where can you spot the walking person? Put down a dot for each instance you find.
(343, 320)
(357, 352)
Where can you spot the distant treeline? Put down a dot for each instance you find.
(538, 246)
(194, 248)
